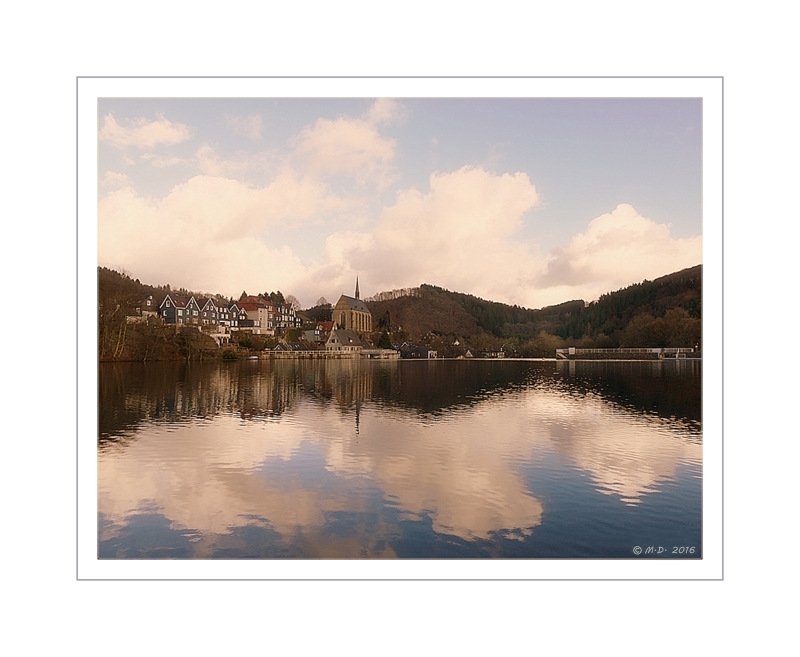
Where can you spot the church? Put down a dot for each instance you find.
(352, 314)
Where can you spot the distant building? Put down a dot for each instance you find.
(175, 309)
(410, 350)
(352, 314)
(261, 312)
(143, 312)
(344, 340)
(283, 345)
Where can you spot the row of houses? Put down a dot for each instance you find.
(253, 313)
(258, 314)
(344, 334)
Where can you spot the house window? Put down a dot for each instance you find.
(168, 303)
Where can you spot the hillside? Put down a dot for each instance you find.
(613, 312)
(665, 312)
(429, 309)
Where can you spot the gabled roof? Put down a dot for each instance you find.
(353, 303)
(257, 301)
(291, 346)
(249, 305)
(346, 337)
(176, 300)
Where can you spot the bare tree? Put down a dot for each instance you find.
(292, 302)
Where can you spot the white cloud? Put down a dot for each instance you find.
(162, 162)
(463, 235)
(345, 146)
(458, 235)
(141, 133)
(211, 233)
(217, 233)
(210, 164)
(385, 110)
(114, 179)
(616, 249)
(251, 126)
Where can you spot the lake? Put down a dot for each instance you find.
(428, 459)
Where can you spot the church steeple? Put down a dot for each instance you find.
(358, 296)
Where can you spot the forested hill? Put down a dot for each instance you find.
(665, 310)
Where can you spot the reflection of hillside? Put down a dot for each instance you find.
(658, 387)
(434, 387)
(130, 393)
(371, 441)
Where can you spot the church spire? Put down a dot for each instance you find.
(358, 296)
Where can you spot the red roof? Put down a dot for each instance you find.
(251, 303)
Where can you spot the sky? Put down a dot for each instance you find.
(527, 201)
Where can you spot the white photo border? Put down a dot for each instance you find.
(90, 89)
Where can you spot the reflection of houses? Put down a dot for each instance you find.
(351, 313)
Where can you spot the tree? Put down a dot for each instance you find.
(292, 302)
(322, 301)
(385, 341)
(275, 297)
(680, 328)
(643, 331)
(151, 338)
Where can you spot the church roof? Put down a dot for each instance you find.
(353, 303)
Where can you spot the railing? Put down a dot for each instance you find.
(624, 350)
(623, 353)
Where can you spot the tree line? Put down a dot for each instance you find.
(665, 312)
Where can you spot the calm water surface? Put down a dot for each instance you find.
(408, 459)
